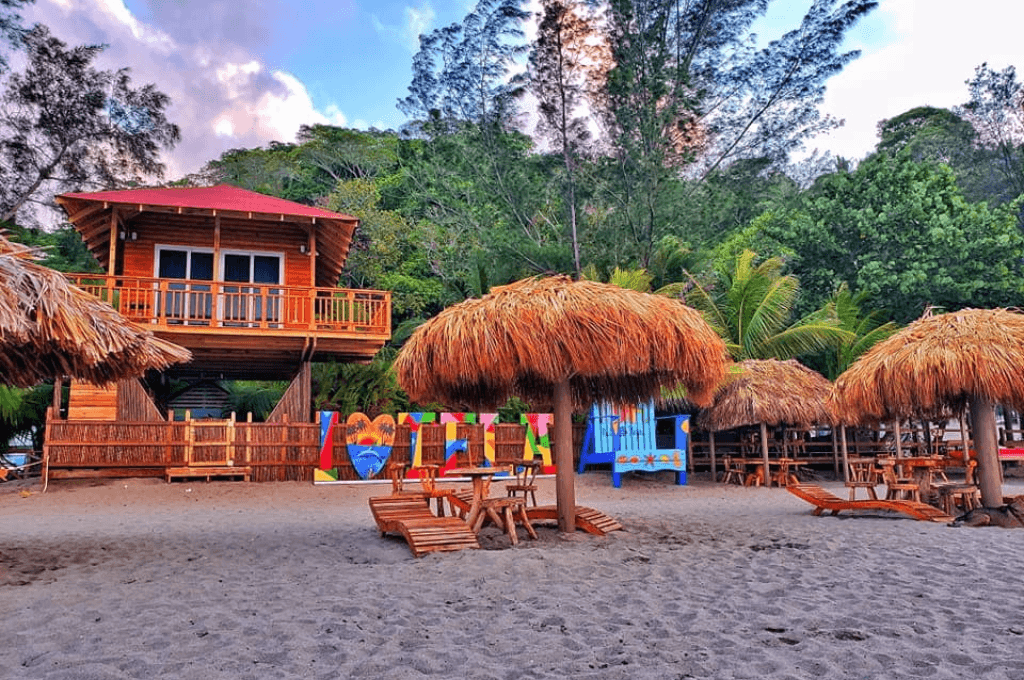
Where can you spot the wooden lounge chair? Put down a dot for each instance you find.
(823, 500)
(410, 516)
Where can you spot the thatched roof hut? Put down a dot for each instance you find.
(971, 358)
(572, 342)
(772, 392)
(50, 329)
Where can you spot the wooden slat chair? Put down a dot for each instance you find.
(627, 438)
(863, 474)
(823, 500)
(526, 480)
(898, 488)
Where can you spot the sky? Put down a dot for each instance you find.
(243, 73)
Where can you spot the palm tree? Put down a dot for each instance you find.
(865, 330)
(751, 308)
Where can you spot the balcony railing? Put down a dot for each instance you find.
(177, 303)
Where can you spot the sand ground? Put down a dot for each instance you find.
(142, 579)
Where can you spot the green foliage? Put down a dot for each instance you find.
(865, 329)
(751, 307)
(63, 248)
(461, 72)
(368, 388)
(23, 411)
(902, 232)
(252, 396)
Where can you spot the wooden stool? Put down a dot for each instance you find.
(954, 497)
(505, 513)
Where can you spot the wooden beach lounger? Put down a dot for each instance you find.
(823, 500)
(410, 516)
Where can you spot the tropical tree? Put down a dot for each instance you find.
(902, 232)
(689, 92)
(996, 110)
(865, 328)
(65, 124)
(564, 60)
(751, 308)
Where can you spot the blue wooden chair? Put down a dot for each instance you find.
(626, 438)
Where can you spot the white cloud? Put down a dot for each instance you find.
(417, 21)
(936, 47)
(223, 96)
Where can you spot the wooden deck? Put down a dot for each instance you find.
(250, 330)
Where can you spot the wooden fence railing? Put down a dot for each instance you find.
(177, 303)
(279, 451)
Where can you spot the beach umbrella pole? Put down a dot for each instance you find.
(984, 420)
(565, 474)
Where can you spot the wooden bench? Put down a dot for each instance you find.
(208, 471)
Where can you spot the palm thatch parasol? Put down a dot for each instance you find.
(51, 329)
(972, 358)
(769, 392)
(562, 341)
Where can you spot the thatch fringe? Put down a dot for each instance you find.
(934, 365)
(49, 328)
(769, 391)
(523, 338)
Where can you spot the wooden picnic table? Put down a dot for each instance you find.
(503, 511)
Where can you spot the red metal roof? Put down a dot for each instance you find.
(220, 197)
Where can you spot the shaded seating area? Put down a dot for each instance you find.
(823, 501)
(757, 399)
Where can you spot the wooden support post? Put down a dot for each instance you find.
(764, 454)
(835, 454)
(711, 451)
(229, 445)
(565, 477)
(897, 434)
(846, 457)
(983, 418)
(190, 438)
(58, 389)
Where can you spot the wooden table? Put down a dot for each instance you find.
(481, 478)
(922, 469)
(503, 511)
(782, 475)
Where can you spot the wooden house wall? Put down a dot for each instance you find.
(89, 402)
(241, 235)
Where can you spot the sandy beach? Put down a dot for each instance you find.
(142, 579)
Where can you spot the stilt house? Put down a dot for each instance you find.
(245, 281)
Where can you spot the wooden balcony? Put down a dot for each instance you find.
(250, 330)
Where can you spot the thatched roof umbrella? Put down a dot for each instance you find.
(971, 358)
(769, 392)
(51, 329)
(565, 342)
